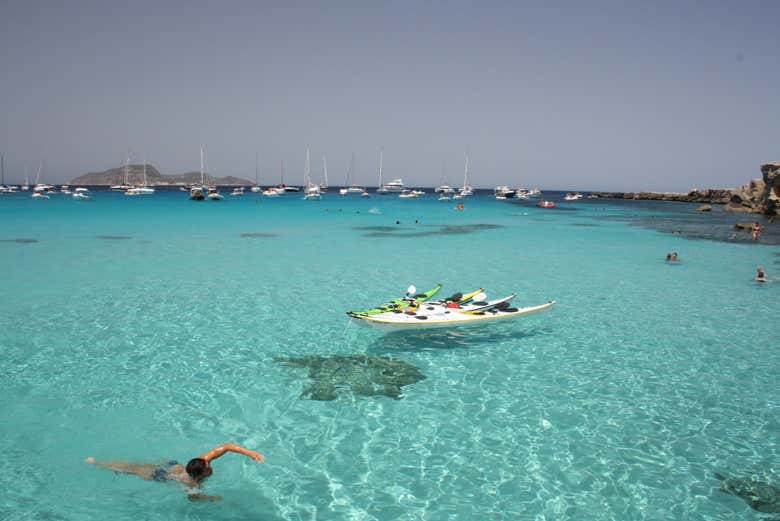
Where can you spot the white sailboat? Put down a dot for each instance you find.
(311, 191)
(324, 183)
(41, 189)
(198, 192)
(26, 185)
(123, 186)
(466, 190)
(396, 186)
(349, 187)
(213, 192)
(143, 189)
(256, 188)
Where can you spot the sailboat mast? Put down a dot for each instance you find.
(2, 170)
(144, 172)
(381, 152)
(257, 160)
(307, 170)
(281, 172)
(325, 169)
(466, 172)
(201, 166)
(127, 167)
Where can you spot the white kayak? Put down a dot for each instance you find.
(441, 317)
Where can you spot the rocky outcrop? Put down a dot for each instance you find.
(709, 196)
(771, 196)
(757, 196)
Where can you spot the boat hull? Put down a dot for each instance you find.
(404, 322)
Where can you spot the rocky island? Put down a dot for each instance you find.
(761, 195)
(134, 174)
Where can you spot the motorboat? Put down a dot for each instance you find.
(410, 194)
(546, 204)
(81, 194)
(444, 189)
(573, 196)
(445, 196)
(272, 192)
(352, 190)
(213, 194)
(65, 189)
(534, 192)
(504, 192)
(396, 186)
(365, 194)
(197, 193)
(238, 191)
(140, 190)
(39, 195)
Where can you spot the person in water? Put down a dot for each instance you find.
(760, 274)
(193, 474)
(756, 231)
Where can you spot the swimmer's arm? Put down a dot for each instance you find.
(216, 452)
(203, 497)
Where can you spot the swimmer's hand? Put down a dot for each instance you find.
(203, 497)
(255, 456)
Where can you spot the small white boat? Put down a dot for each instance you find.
(39, 195)
(140, 190)
(271, 192)
(573, 196)
(65, 189)
(445, 197)
(238, 191)
(81, 194)
(213, 194)
(197, 193)
(437, 317)
(365, 194)
(503, 192)
(352, 190)
(408, 194)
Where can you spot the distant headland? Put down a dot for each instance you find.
(760, 195)
(135, 175)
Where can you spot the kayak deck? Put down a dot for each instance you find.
(443, 317)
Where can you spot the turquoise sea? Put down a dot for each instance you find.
(152, 328)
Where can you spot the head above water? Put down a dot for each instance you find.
(198, 469)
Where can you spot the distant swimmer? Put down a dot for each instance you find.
(193, 474)
(760, 274)
(460, 206)
(756, 231)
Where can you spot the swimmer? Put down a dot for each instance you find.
(193, 474)
(760, 274)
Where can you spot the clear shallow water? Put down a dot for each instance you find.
(620, 403)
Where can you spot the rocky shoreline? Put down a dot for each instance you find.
(760, 195)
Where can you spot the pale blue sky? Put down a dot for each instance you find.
(559, 95)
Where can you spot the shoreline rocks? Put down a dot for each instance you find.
(757, 196)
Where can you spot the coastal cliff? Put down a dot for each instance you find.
(135, 175)
(757, 196)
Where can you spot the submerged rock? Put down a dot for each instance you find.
(704, 208)
(759, 495)
(365, 375)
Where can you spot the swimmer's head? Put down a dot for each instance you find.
(198, 469)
